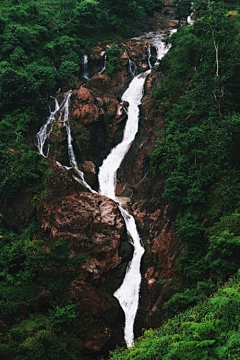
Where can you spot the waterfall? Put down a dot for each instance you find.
(149, 55)
(64, 116)
(160, 46)
(62, 113)
(190, 21)
(128, 292)
(85, 66)
(104, 63)
(107, 172)
(132, 67)
(45, 130)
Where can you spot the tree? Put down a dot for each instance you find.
(183, 9)
(17, 89)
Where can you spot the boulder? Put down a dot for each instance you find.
(84, 106)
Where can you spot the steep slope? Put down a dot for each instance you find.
(206, 331)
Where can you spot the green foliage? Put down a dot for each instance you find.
(17, 89)
(62, 316)
(82, 138)
(21, 167)
(206, 331)
(68, 69)
(198, 150)
(42, 44)
(223, 254)
(35, 337)
(183, 9)
(28, 267)
(113, 63)
(151, 5)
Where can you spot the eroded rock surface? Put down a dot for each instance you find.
(93, 226)
(97, 108)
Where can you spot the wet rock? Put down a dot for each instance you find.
(60, 182)
(89, 167)
(90, 174)
(124, 58)
(57, 136)
(84, 108)
(104, 328)
(92, 224)
(137, 52)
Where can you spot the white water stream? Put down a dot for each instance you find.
(128, 293)
(132, 67)
(107, 172)
(61, 113)
(190, 20)
(45, 130)
(85, 66)
(104, 63)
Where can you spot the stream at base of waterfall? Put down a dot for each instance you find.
(128, 293)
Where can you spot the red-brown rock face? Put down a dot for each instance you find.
(84, 106)
(87, 220)
(92, 225)
(101, 306)
(137, 51)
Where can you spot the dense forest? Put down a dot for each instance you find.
(197, 95)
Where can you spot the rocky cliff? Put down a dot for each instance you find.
(92, 224)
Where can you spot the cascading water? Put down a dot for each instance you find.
(45, 130)
(155, 39)
(160, 46)
(85, 66)
(62, 114)
(132, 67)
(128, 292)
(104, 63)
(149, 56)
(190, 21)
(107, 172)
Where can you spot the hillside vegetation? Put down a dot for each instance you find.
(198, 153)
(42, 44)
(198, 156)
(208, 331)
